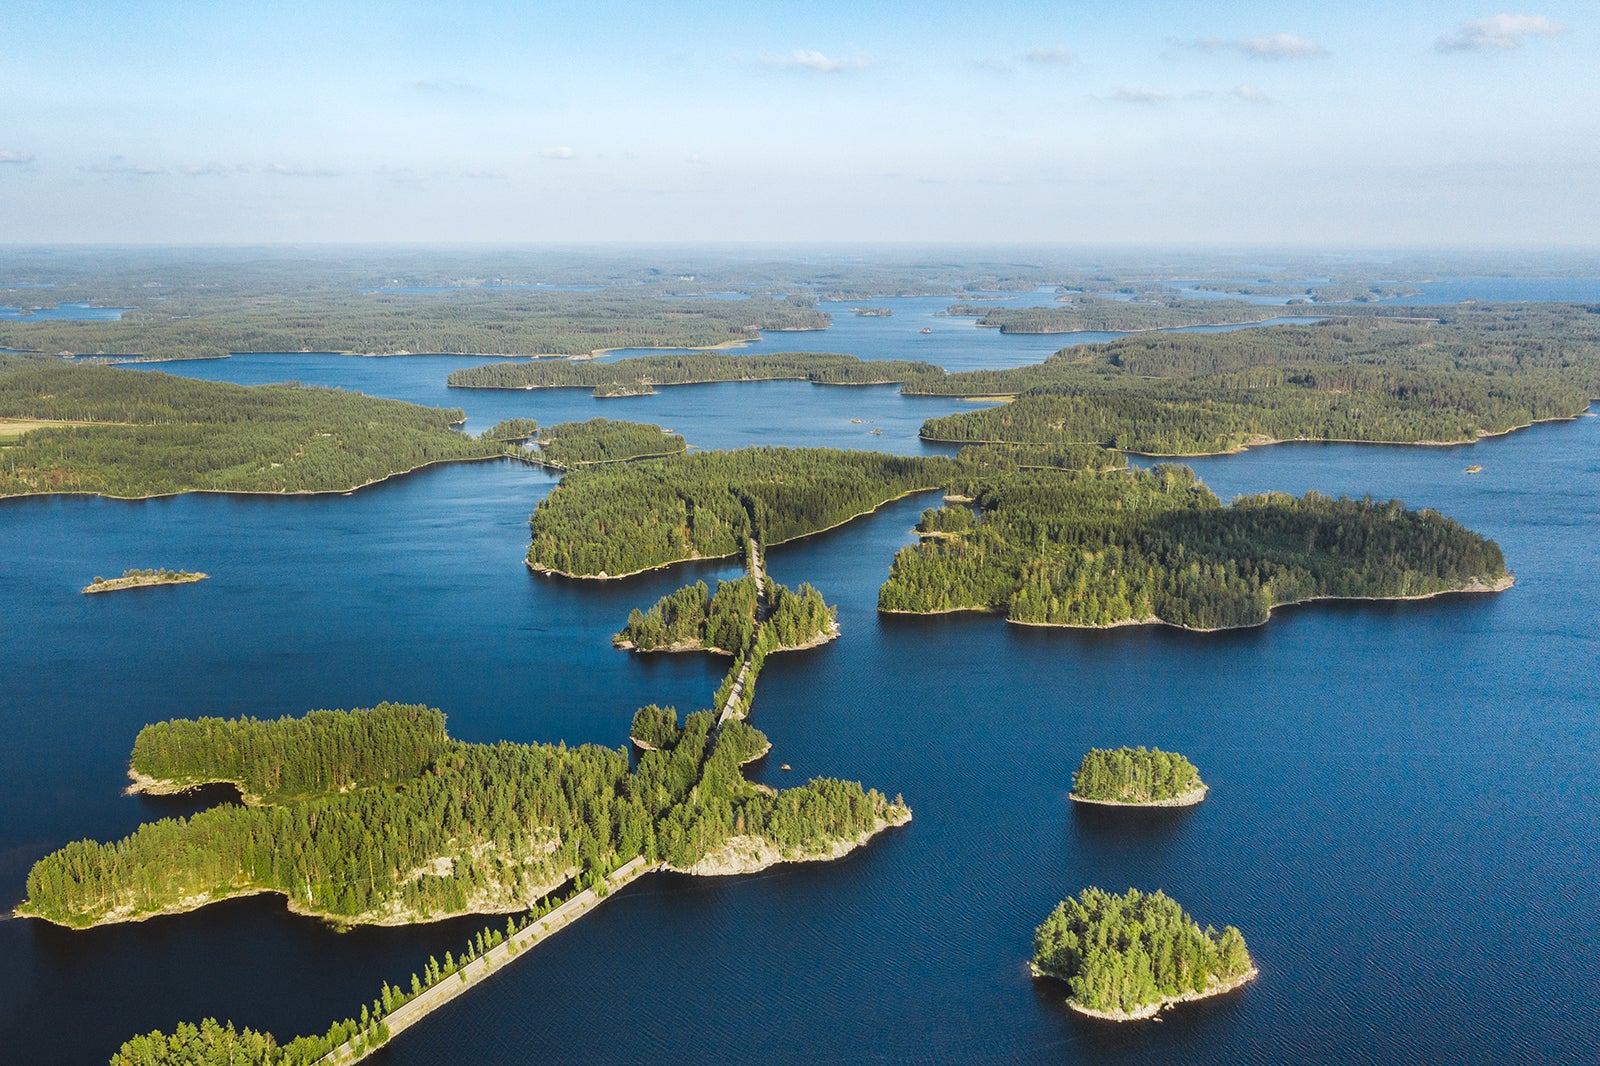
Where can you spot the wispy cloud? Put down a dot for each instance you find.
(400, 175)
(1053, 57)
(1140, 96)
(809, 59)
(992, 65)
(301, 172)
(15, 158)
(483, 174)
(1270, 46)
(430, 87)
(1501, 33)
(121, 165)
(563, 152)
(201, 170)
(1251, 95)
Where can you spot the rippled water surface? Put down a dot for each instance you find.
(1402, 819)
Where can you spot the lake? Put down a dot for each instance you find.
(1402, 822)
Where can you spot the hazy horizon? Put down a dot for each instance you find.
(1259, 124)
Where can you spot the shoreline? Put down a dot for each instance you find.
(1150, 1010)
(1183, 799)
(655, 386)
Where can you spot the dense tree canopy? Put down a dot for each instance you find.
(601, 440)
(1134, 775)
(1080, 312)
(628, 377)
(1122, 955)
(1096, 549)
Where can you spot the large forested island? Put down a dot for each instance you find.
(379, 817)
(129, 433)
(1126, 957)
(640, 375)
(1126, 547)
(1377, 377)
(1137, 777)
(607, 521)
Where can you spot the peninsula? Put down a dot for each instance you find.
(1124, 958)
(1137, 777)
(134, 579)
(696, 619)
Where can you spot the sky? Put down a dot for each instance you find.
(1356, 123)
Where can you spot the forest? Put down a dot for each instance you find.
(1365, 377)
(694, 618)
(377, 817)
(619, 519)
(156, 434)
(601, 440)
(1126, 955)
(1102, 549)
(1134, 775)
(201, 323)
(1082, 312)
(640, 374)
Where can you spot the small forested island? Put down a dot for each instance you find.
(133, 579)
(1098, 549)
(1137, 777)
(611, 521)
(512, 430)
(601, 440)
(1372, 375)
(696, 619)
(1126, 957)
(155, 434)
(1079, 313)
(641, 374)
(871, 312)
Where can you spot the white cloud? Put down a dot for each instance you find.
(816, 62)
(1250, 94)
(15, 158)
(1498, 33)
(1270, 46)
(1058, 57)
(1140, 96)
(301, 172)
(563, 152)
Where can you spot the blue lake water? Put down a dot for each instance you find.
(1403, 822)
(71, 312)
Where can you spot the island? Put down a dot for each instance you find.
(1378, 375)
(135, 579)
(696, 619)
(601, 440)
(142, 434)
(1126, 957)
(511, 430)
(1137, 777)
(871, 312)
(641, 375)
(1080, 313)
(1097, 549)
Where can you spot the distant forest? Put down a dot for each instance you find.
(1077, 313)
(156, 433)
(631, 377)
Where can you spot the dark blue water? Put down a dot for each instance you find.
(63, 313)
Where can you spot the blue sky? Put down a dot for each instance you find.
(1286, 123)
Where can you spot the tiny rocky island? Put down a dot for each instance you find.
(138, 579)
(1137, 777)
(1125, 958)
